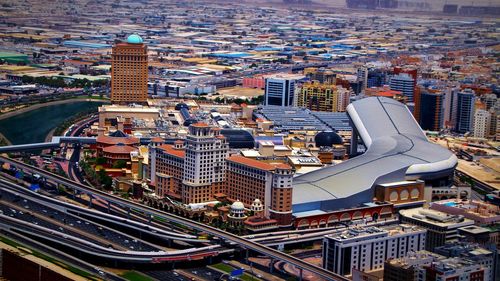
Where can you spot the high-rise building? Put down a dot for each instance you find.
(368, 248)
(404, 83)
(482, 123)
(371, 77)
(431, 111)
(204, 164)
(441, 228)
(280, 89)
(129, 71)
(249, 179)
(323, 97)
(465, 111)
(491, 101)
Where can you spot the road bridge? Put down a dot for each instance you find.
(241, 242)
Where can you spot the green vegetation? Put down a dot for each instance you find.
(60, 82)
(105, 180)
(100, 161)
(94, 97)
(253, 100)
(135, 276)
(120, 164)
(3, 141)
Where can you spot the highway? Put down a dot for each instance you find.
(242, 242)
(22, 213)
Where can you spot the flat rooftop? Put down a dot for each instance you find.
(436, 218)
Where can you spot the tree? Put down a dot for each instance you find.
(120, 164)
(105, 180)
(100, 161)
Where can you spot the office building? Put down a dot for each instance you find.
(465, 111)
(453, 269)
(425, 266)
(367, 248)
(471, 252)
(323, 97)
(491, 101)
(431, 111)
(280, 89)
(129, 71)
(441, 228)
(407, 268)
(404, 83)
(482, 123)
(371, 77)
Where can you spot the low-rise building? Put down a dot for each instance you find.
(441, 228)
(367, 248)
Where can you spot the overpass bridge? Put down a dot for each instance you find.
(223, 235)
(54, 143)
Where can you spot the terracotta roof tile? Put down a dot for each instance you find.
(251, 163)
(119, 149)
(169, 149)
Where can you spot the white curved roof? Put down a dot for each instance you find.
(396, 148)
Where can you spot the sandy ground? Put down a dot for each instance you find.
(236, 92)
(480, 172)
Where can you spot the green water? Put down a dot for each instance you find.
(34, 125)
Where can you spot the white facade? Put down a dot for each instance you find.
(368, 248)
(482, 122)
(280, 89)
(205, 156)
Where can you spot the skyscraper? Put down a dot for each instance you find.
(431, 111)
(405, 83)
(482, 122)
(465, 111)
(129, 71)
(204, 164)
(280, 89)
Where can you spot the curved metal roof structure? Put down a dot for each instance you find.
(397, 149)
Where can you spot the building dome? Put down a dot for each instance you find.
(327, 138)
(237, 206)
(134, 39)
(238, 138)
(257, 206)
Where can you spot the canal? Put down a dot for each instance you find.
(33, 126)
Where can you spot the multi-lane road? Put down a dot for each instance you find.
(222, 235)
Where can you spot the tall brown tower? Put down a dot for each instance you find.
(129, 71)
